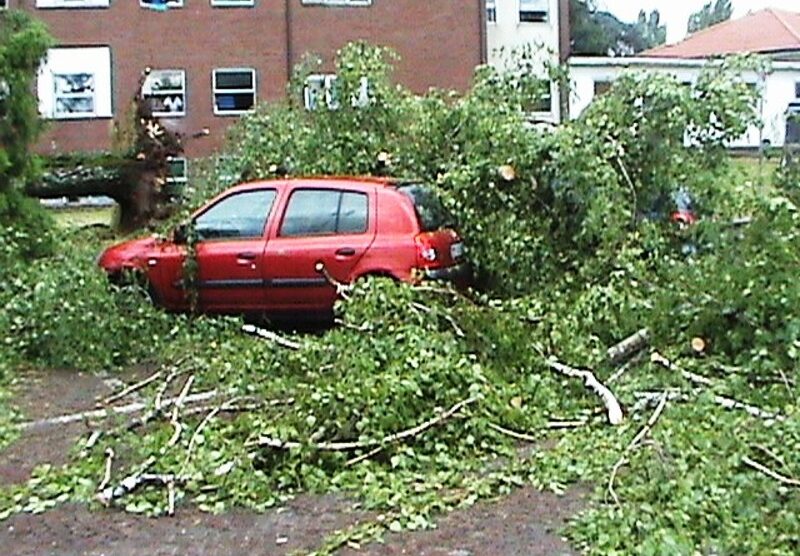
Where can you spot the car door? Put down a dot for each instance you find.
(334, 226)
(230, 251)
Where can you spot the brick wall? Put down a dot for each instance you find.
(439, 42)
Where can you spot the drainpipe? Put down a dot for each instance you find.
(482, 31)
(287, 11)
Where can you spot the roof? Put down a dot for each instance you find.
(765, 31)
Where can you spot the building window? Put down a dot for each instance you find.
(322, 88)
(161, 5)
(234, 91)
(233, 3)
(68, 3)
(165, 91)
(177, 172)
(3, 4)
(533, 11)
(75, 83)
(491, 11)
(602, 87)
(337, 2)
(541, 97)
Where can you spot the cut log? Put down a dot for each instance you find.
(628, 347)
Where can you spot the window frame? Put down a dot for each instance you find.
(4, 5)
(233, 3)
(342, 193)
(177, 179)
(520, 11)
(491, 12)
(57, 96)
(69, 60)
(264, 228)
(339, 3)
(182, 93)
(68, 4)
(332, 102)
(215, 91)
(169, 5)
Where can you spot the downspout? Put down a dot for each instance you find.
(289, 54)
(482, 31)
(564, 51)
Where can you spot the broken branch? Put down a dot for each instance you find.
(615, 416)
(269, 442)
(644, 431)
(271, 336)
(133, 388)
(629, 346)
(789, 481)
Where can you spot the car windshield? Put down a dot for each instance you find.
(430, 210)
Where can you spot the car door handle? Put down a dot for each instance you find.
(247, 256)
(345, 252)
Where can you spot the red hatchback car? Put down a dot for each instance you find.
(260, 245)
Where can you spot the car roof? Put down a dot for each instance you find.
(321, 182)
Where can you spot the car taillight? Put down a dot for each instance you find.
(427, 255)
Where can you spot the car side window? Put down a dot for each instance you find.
(352, 214)
(242, 215)
(313, 212)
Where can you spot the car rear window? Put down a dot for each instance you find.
(430, 210)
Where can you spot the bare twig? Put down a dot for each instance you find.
(788, 481)
(555, 425)
(644, 431)
(114, 410)
(269, 442)
(615, 416)
(513, 434)
(659, 359)
(270, 336)
(132, 388)
(176, 411)
(343, 290)
(107, 475)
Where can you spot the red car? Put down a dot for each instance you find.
(260, 245)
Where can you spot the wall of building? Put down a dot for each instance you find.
(778, 89)
(507, 33)
(269, 36)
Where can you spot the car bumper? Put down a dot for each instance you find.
(460, 274)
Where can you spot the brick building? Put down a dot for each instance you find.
(212, 60)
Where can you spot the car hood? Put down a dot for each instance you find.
(128, 254)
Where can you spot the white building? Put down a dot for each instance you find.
(771, 33)
(544, 24)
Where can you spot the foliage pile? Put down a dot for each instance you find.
(545, 199)
(417, 401)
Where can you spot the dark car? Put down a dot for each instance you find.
(277, 246)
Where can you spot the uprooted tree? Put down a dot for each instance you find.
(135, 178)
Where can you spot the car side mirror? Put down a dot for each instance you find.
(181, 234)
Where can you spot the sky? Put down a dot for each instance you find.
(675, 13)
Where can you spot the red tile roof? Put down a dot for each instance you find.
(764, 31)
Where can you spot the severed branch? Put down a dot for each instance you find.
(271, 336)
(269, 442)
(107, 475)
(131, 389)
(788, 481)
(659, 359)
(342, 290)
(615, 416)
(115, 410)
(727, 403)
(644, 431)
(628, 347)
(513, 434)
(176, 411)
